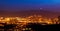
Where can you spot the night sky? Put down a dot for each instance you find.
(22, 5)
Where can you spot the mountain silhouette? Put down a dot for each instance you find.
(29, 12)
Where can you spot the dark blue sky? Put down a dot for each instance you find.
(16, 5)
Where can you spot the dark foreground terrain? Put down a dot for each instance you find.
(35, 27)
(39, 27)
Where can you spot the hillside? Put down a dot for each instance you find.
(29, 12)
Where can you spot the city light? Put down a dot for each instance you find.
(21, 22)
(29, 19)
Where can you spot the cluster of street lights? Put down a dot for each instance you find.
(21, 21)
(30, 19)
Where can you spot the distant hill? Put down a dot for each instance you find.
(29, 12)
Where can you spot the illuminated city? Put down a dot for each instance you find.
(20, 22)
(30, 19)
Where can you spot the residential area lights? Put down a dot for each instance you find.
(30, 19)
